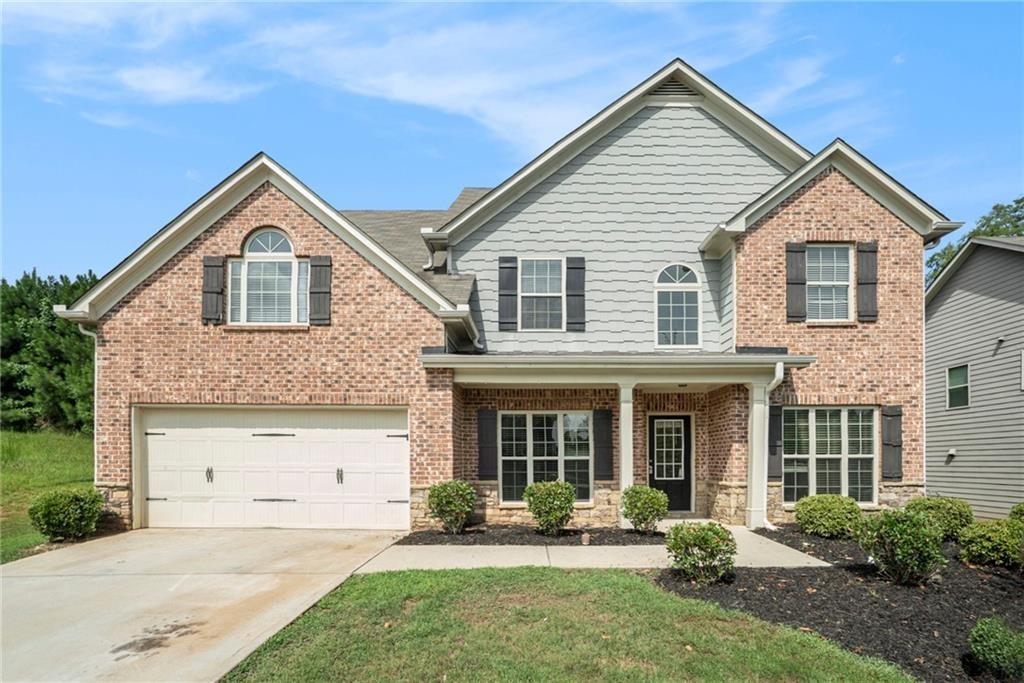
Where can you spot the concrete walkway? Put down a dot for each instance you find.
(752, 550)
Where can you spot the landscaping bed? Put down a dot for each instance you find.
(520, 534)
(922, 629)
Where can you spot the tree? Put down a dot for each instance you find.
(1004, 220)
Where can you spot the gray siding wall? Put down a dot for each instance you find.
(984, 300)
(638, 199)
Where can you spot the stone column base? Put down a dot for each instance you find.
(117, 509)
(727, 502)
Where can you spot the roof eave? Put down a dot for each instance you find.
(652, 361)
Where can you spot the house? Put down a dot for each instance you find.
(974, 374)
(675, 293)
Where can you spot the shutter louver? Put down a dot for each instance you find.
(319, 290)
(774, 443)
(867, 281)
(487, 444)
(892, 442)
(575, 294)
(508, 293)
(603, 466)
(796, 282)
(213, 290)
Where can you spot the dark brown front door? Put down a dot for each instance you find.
(670, 462)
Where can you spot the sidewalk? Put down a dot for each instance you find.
(752, 551)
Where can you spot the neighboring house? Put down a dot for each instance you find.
(974, 369)
(675, 294)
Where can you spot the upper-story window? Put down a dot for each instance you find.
(677, 307)
(958, 387)
(268, 285)
(828, 281)
(542, 294)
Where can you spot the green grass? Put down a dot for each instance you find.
(32, 463)
(538, 624)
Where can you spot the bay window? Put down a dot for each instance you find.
(544, 446)
(828, 450)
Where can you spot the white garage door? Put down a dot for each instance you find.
(253, 467)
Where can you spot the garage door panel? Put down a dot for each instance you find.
(391, 485)
(292, 483)
(227, 482)
(260, 483)
(228, 513)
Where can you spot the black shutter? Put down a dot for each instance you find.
(508, 293)
(892, 442)
(603, 469)
(319, 290)
(867, 281)
(796, 282)
(774, 443)
(575, 294)
(213, 290)
(487, 444)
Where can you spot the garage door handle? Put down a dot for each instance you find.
(339, 475)
(273, 500)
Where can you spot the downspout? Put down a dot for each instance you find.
(780, 372)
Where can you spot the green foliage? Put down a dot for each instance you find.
(1017, 512)
(644, 507)
(45, 362)
(66, 515)
(550, 503)
(997, 542)
(998, 647)
(828, 515)
(906, 546)
(703, 553)
(951, 514)
(1004, 220)
(451, 502)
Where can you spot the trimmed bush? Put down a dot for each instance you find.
(451, 503)
(998, 542)
(703, 553)
(905, 545)
(952, 514)
(1017, 512)
(66, 515)
(998, 648)
(644, 507)
(828, 515)
(550, 503)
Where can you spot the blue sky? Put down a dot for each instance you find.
(116, 117)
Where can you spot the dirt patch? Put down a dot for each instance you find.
(515, 534)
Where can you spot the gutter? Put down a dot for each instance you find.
(464, 316)
(616, 361)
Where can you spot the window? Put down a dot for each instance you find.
(268, 285)
(958, 389)
(541, 294)
(828, 282)
(544, 447)
(677, 307)
(828, 450)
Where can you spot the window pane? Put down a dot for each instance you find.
(270, 242)
(268, 292)
(576, 435)
(541, 276)
(676, 274)
(545, 470)
(828, 302)
(828, 475)
(669, 449)
(577, 473)
(513, 437)
(794, 479)
(235, 286)
(795, 432)
(861, 479)
(302, 294)
(958, 376)
(513, 479)
(828, 263)
(828, 432)
(542, 313)
(678, 321)
(860, 424)
(545, 438)
(958, 397)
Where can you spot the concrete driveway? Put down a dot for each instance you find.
(166, 604)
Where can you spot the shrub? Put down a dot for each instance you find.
(451, 502)
(703, 553)
(644, 507)
(905, 545)
(1017, 512)
(550, 503)
(828, 515)
(998, 647)
(66, 515)
(998, 542)
(952, 514)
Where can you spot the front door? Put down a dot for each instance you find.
(670, 461)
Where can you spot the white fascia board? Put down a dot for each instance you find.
(646, 361)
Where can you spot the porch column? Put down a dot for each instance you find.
(757, 457)
(626, 435)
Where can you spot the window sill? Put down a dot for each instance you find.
(522, 506)
(831, 323)
(866, 507)
(265, 328)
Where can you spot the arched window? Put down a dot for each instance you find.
(677, 307)
(268, 285)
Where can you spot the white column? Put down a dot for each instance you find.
(625, 435)
(757, 457)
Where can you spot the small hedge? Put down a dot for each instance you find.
(951, 514)
(998, 648)
(66, 515)
(644, 507)
(1017, 512)
(451, 503)
(703, 553)
(550, 503)
(998, 542)
(828, 515)
(905, 545)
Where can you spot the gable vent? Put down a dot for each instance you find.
(673, 88)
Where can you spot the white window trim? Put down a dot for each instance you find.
(679, 287)
(851, 292)
(844, 456)
(520, 295)
(561, 450)
(245, 260)
(957, 386)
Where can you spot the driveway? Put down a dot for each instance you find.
(166, 604)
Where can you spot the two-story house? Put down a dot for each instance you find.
(675, 294)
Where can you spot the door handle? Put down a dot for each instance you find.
(339, 475)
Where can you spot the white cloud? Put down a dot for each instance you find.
(111, 119)
(790, 77)
(899, 58)
(180, 83)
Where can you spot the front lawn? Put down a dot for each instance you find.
(539, 624)
(32, 463)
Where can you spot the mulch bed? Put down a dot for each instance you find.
(924, 630)
(516, 534)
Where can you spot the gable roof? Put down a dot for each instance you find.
(1009, 243)
(911, 209)
(675, 83)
